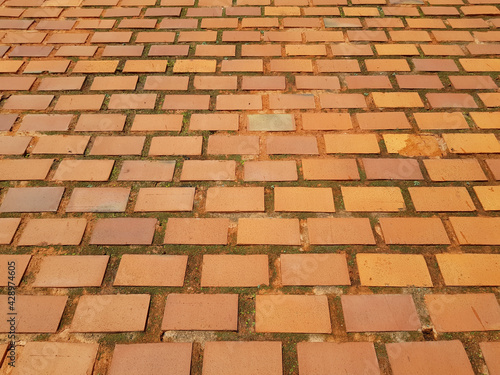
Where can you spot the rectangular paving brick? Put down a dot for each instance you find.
(147, 122)
(235, 270)
(83, 170)
(489, 196)
(314, 269)
(292, 314)
(151, 270)
(330, 169)
(376, 198)
(201, 312)
(413, 231)
(477, 230)
(329, 358)
(19, 262)
(24, 170)
(45, 123)
(399, 270)
(111, 313)
(454, 170)
(285, 170)
(176, 145)
(242, 357)
(299, 145)
(8, 228)
(491, 353)
(123, 231)
(268, 231)
(35, 314)
(274, 122)
(434, 357)
(297, 199)
(56, 358)
(235, 199)
(351, 144)
(98, 200)
(196, 231)
(214, 121)
(469, 269)
(150, 359)
(61, 144)
(326, 121)
(43, 232)
(464, 312)
(340, 231)
(32, 199)
(392, 169)
(165, 199)
(71, 271)
(446, 198)
(380, 313)
(233, 145)
(97, 122)
(139, 170)
(208, 170)
(119, 145)
(14, 145)
(472, 143)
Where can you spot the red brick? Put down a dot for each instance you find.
(381, 312)
(429, 357)
(263, 83)
(342, 101)
(28, 102)
(8, 228)
(233, 145)
(392, 169)
(71, 271)
(382, 120)
(231, 357)
(114, 83)
(340, 231)
(43, 232)
(132, 101)
(270, 171)
(317, 83)
(212, 231)
(241, 36)
(137, 170)
(368, 82)
(83, 170)
(463, 312)
(79, 102)
(415, 231)
(123, 231)
(292, 314)
(291, 101)
(201, 312)
(291, 145)
(330, 169)
(268, 232)
(168, 50)
(161, 122)
(98, 199)
(35, 314)
(235, 270)
(159, 199)
(215, 83)
(325, 357)
(235, 199)
(314, 269)
(243, 65)
(207, 170)
(419, 81)
(155, 357)
(239, 102)
(133, 312)
(214, 122)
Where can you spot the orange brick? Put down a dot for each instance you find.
(397, 99)
(330, 169)
(351, 144)
(268, 232)
(297, 199)
(472, 143)
(413, 231)
(378, 199)
(197, 231)
(489, 196)
(340, 231)
(454, 170)
(441, 199)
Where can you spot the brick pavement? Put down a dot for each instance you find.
(250, 187)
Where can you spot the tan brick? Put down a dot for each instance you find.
(340, 231)
(268, 231)
(235, 270)
(297, 199)
(469, 269)
(377, 198)
(446, 198)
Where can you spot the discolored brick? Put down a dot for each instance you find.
(32, 199)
